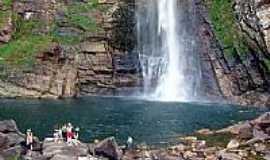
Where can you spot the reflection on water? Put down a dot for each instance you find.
(150, 122)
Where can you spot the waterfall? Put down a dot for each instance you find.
(166, 47)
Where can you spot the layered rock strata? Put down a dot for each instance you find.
(99, 65)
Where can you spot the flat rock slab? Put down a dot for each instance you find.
(51, 149)
(63, 157)
(66, 157)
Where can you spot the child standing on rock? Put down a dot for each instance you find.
(29, 139)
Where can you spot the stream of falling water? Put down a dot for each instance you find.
(169, 70)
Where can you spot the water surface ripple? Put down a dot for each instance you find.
(99, 117)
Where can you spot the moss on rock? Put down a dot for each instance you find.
(220, 140)
(25, 44)
(225, 26)
(28, 39)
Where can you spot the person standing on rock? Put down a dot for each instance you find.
(64, 132)
(29, 139)
(60, 134)
(129, 142)
(76, 134)
(69, 133)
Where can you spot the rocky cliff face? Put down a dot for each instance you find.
(98, 63)
(85, 48)
(253, 17)
(242, 77)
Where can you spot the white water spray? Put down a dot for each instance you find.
(168, 68)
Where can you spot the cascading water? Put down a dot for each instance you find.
(170, 68)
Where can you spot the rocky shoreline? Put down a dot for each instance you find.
(248, 140)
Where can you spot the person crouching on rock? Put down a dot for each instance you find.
(69, 133)
(29, 139)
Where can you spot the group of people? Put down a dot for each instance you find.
(67, 133)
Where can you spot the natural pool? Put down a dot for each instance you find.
(99, 117)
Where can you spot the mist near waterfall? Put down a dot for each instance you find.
(167, 49)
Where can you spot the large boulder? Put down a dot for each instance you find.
(260, 135)
(14, 139)
(233, 144)
(228, 156)
(15, 151)
(3, 141)
(63, 157)
(263, 121)
(33, 156)
(9, 135)
(109, 148)
(8, 126)
(51, 149)
(243, 130)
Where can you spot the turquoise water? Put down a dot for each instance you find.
(150, 122)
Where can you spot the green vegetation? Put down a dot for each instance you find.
(225, 26)
(5, 12)
(82, 22)
(220, 140)
(66, 39)
(21, 51)
(25, 44)
(28, 38)
(78, 15)
(14, 158)
(7, 2)
(267, 62)
(257, 157)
